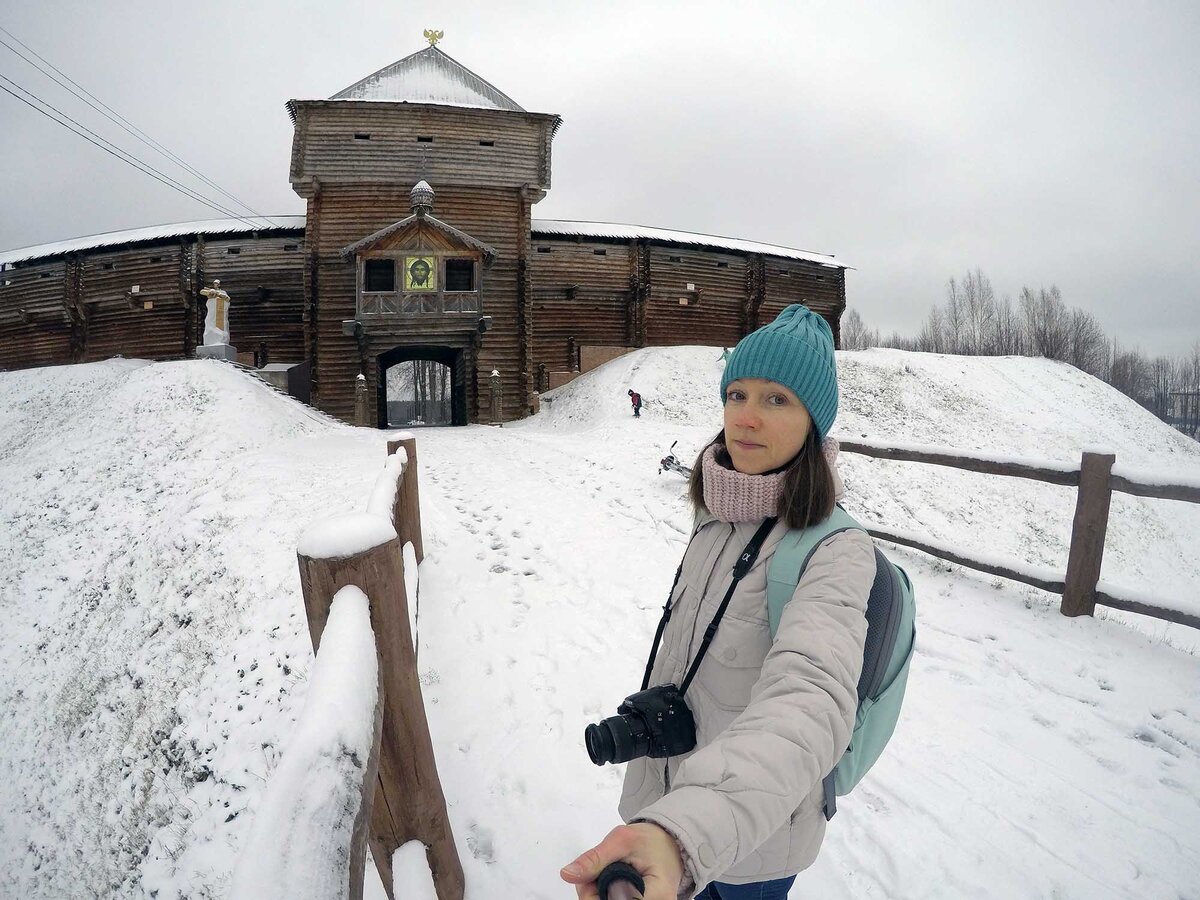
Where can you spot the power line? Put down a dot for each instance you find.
(113, 116)
(116, 151)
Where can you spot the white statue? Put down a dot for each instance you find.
(216, 319)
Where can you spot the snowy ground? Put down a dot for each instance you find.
(155, 653)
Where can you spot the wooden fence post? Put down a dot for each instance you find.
(407, 514)
(1087, 534)
(409, 803)
(494, 411)
(360, 401)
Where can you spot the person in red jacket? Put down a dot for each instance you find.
(636, 399)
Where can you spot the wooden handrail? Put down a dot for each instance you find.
(1045, 584)
(1094, 478)
(1068, 477)
(408, 802)
(1185, 492)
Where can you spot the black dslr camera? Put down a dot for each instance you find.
(655, 723)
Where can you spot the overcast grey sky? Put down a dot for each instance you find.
(1043, 142)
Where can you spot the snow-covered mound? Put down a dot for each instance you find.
(1013, 407)
(155, 652)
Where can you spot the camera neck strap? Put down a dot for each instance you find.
(744, 562)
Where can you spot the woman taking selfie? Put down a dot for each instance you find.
(735, 809)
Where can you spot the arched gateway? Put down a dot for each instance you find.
(424, 395)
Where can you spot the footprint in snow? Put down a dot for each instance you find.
(481, 843)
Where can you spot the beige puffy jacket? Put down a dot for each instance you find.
(772, 718)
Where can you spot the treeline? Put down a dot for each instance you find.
(972, 322)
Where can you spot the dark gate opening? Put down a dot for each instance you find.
(422, 385)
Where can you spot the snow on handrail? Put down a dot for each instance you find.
(313, 807)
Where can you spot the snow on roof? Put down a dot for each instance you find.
(571, 228)
(429, 76)
(541, 228)
(153, 233)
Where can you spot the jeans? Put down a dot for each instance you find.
(759, 890)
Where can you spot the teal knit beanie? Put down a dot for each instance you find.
(796, 350)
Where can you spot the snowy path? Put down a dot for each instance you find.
(1031, 762)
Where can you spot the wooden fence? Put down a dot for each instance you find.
(402, 797)
(1096, 483)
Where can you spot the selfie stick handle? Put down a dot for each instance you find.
(620, 881)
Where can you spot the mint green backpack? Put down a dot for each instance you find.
(891, 634)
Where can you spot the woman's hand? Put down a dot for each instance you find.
(645, 846)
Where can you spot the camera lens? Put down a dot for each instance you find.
(600, 745)
(617, 740)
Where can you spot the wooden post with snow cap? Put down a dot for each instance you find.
(494, 407)
(363, 549)
(360, 401)
(407, 513)
(1087, 534)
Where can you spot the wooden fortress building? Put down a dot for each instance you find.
(418, 243)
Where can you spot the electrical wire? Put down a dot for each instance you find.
(116, 151)
(115, 117)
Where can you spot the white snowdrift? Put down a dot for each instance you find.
(155, 657)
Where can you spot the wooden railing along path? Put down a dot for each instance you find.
(397, 793)
(1096, 482)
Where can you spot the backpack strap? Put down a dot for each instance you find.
(791, 558)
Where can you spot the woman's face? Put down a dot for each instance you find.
(765, 425)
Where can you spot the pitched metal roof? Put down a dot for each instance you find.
(153, 233)
(429, 76)
(612, 230)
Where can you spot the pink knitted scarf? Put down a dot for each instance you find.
(733, 496)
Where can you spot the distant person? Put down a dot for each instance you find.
(732, 805)
(636, 399)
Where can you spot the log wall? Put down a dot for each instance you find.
(35, 329)
(82, 307)
(581, 290)
(347, 141)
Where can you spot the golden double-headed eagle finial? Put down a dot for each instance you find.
(433, 36)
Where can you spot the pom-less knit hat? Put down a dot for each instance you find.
(796, 350)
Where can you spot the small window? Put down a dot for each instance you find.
(543, 249)
(289, 248)
(676, 259)
(487, 143)
(379, 276)
(107, 267)
(600, 252)
(156, 259)
(233, 251)
(43, 275)
(424, 140)
(722, 265)
(361, 136)
(784, 273)
(460, 275)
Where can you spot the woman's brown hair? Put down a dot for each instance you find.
(808, 490)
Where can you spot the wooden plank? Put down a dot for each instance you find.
(1087, 534)
(1186, 493)
(409, 804)
(988, 467)
(1147, 609)
(1055, 587)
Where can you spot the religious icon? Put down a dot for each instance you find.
(420, 273)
